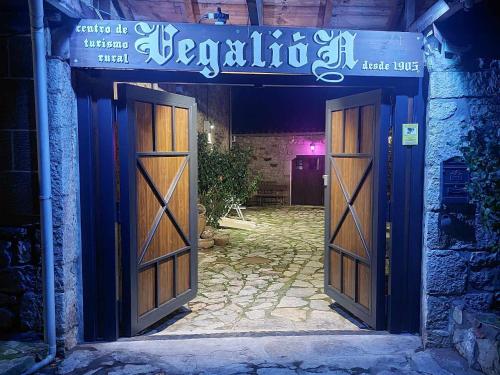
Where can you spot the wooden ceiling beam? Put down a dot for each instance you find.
(189, 8)
(410, 11)
(394, 22)
(326, 13)
(431, 15)
(256, 12)
(118, 8)
(74, 8)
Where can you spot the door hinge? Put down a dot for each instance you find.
(325, 180)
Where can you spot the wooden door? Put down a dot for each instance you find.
(158, 190)
(307, 180)
(356, 128)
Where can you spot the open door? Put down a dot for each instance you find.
(158, 215)
(356, 132)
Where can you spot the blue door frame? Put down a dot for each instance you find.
(99, 211)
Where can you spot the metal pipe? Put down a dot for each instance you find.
(44, 177)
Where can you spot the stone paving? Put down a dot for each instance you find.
(260, 311)
(380, 354)
(18, 356)
(269, 278)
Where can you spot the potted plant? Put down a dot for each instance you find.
(224, 178)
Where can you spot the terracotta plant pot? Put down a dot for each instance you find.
(204, 244)
(209, 232)
(202, 219)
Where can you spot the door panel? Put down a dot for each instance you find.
(307, 180)
(355, 205)
(158, 166)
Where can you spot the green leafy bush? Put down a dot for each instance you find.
(481, 151)
(224, 178)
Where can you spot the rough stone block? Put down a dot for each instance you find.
(436, 338)
(484, 109)
(432, 188)
(431, 231)
(5, 253)
(21, 63)
(67, 307)
(18, 365)
(12, 233)
(7, 300)
(446, 272)
(23, 252)
(30, 312)
(20, 191)
(481, 301)
(64, 159)
(438, 312)
(450, 84)
(485, 279)
(5, 150)
(465, 342)
(6, 319)
(16, 280)
(443, 139)
(480, 259)
(25, 153)
(458, 314)
(442, 109)
(17, 105)
(488, 353)
(437, 62)
(4, 69)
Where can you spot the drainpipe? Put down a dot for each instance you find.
(42, 132)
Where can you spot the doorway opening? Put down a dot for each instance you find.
(311, 261)
(266, 279)
(269, 277)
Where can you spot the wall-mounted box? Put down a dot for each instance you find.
(454, 179)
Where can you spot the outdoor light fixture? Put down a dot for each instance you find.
(313, 147)
(219, 17)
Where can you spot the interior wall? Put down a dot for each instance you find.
(273, 154)
(214, 106)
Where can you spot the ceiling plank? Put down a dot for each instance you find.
(189, 8)
(256, 12)
(409, 13)
(74, 8)
(395, 17)
(326, 13)
(118, 8)
(431, 15)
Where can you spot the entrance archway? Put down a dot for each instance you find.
(355, 238)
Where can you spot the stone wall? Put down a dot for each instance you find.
(214, 105)
(20, 263)
(18, 165)
(459, 272)
(20, 280)
(63, 127)
(20, 258)
(273, 153)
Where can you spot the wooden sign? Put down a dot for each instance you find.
(329, 55)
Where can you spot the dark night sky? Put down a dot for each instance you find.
(280, 109)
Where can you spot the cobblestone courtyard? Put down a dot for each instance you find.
(269, 278)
